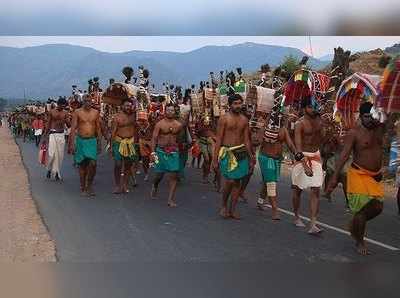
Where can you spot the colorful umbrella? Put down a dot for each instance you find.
(353, 91)
(389, 91)
(304, 83)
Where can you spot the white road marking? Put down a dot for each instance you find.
(340, 230)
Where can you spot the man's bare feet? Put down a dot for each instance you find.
(275, 215)
(172, 204)
(117, 191)
(91, 193)
(315, 230)
(224, 213)
(299, 223)
(362, 249)
(235, 215)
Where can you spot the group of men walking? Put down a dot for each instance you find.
(229, 151)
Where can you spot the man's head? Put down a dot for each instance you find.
(127, 107)
(366, 117)
(61, 103)
(235, 102)
(87, 102)
(170, 111)
(311, 106)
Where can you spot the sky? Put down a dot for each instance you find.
(196, 17)
(320, 45)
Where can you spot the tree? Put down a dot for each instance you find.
(290, 64)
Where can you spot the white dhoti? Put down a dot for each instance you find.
(56, 153)
(38, 132)
(299, 177)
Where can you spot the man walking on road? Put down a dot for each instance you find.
(85, 144)
(57, 121)
(307, 172)
(364, 176)
(233, 154)
(270, 157)
(124, 149)
(165, 152)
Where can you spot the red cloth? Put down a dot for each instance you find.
(195, 150)
(38, 124)
(43, 155)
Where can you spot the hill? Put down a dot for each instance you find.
(50, 70)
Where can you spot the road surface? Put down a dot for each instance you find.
(133, 227)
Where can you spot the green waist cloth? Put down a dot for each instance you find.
(167, 162)
(270, 168)
(240, 171)
(358, 201)
(133, 156)
(85, 148)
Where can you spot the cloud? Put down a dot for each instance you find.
(193, 17)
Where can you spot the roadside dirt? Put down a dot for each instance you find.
(23, 236)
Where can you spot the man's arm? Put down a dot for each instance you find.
(154, 138)
(344, 156)
(298, 133)
(247, 140)
(47, 126)
(114, 128)
(67, 119)
(288, 141)
(298, 130)
(98, 126)
(71, 138)
(220, 135)
(98, 131)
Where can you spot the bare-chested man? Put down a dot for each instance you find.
(123, 144)
(233, 154)
(364, 176)
(165, 152)
(307, 172)
(85, 144)
(206, 140)
(182, 112)
(145, 131)
(273, 136)
(54, 135)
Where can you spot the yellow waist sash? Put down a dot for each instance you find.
(228, 152)
(360, 181)
(126, 146)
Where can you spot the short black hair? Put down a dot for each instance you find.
(365, 108)
(62, 101)
(234, 97)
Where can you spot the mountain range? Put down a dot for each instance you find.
(50, 70)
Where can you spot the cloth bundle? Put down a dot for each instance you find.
(265, 99)
(251, 97)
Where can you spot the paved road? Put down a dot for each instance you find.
(134, 228)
